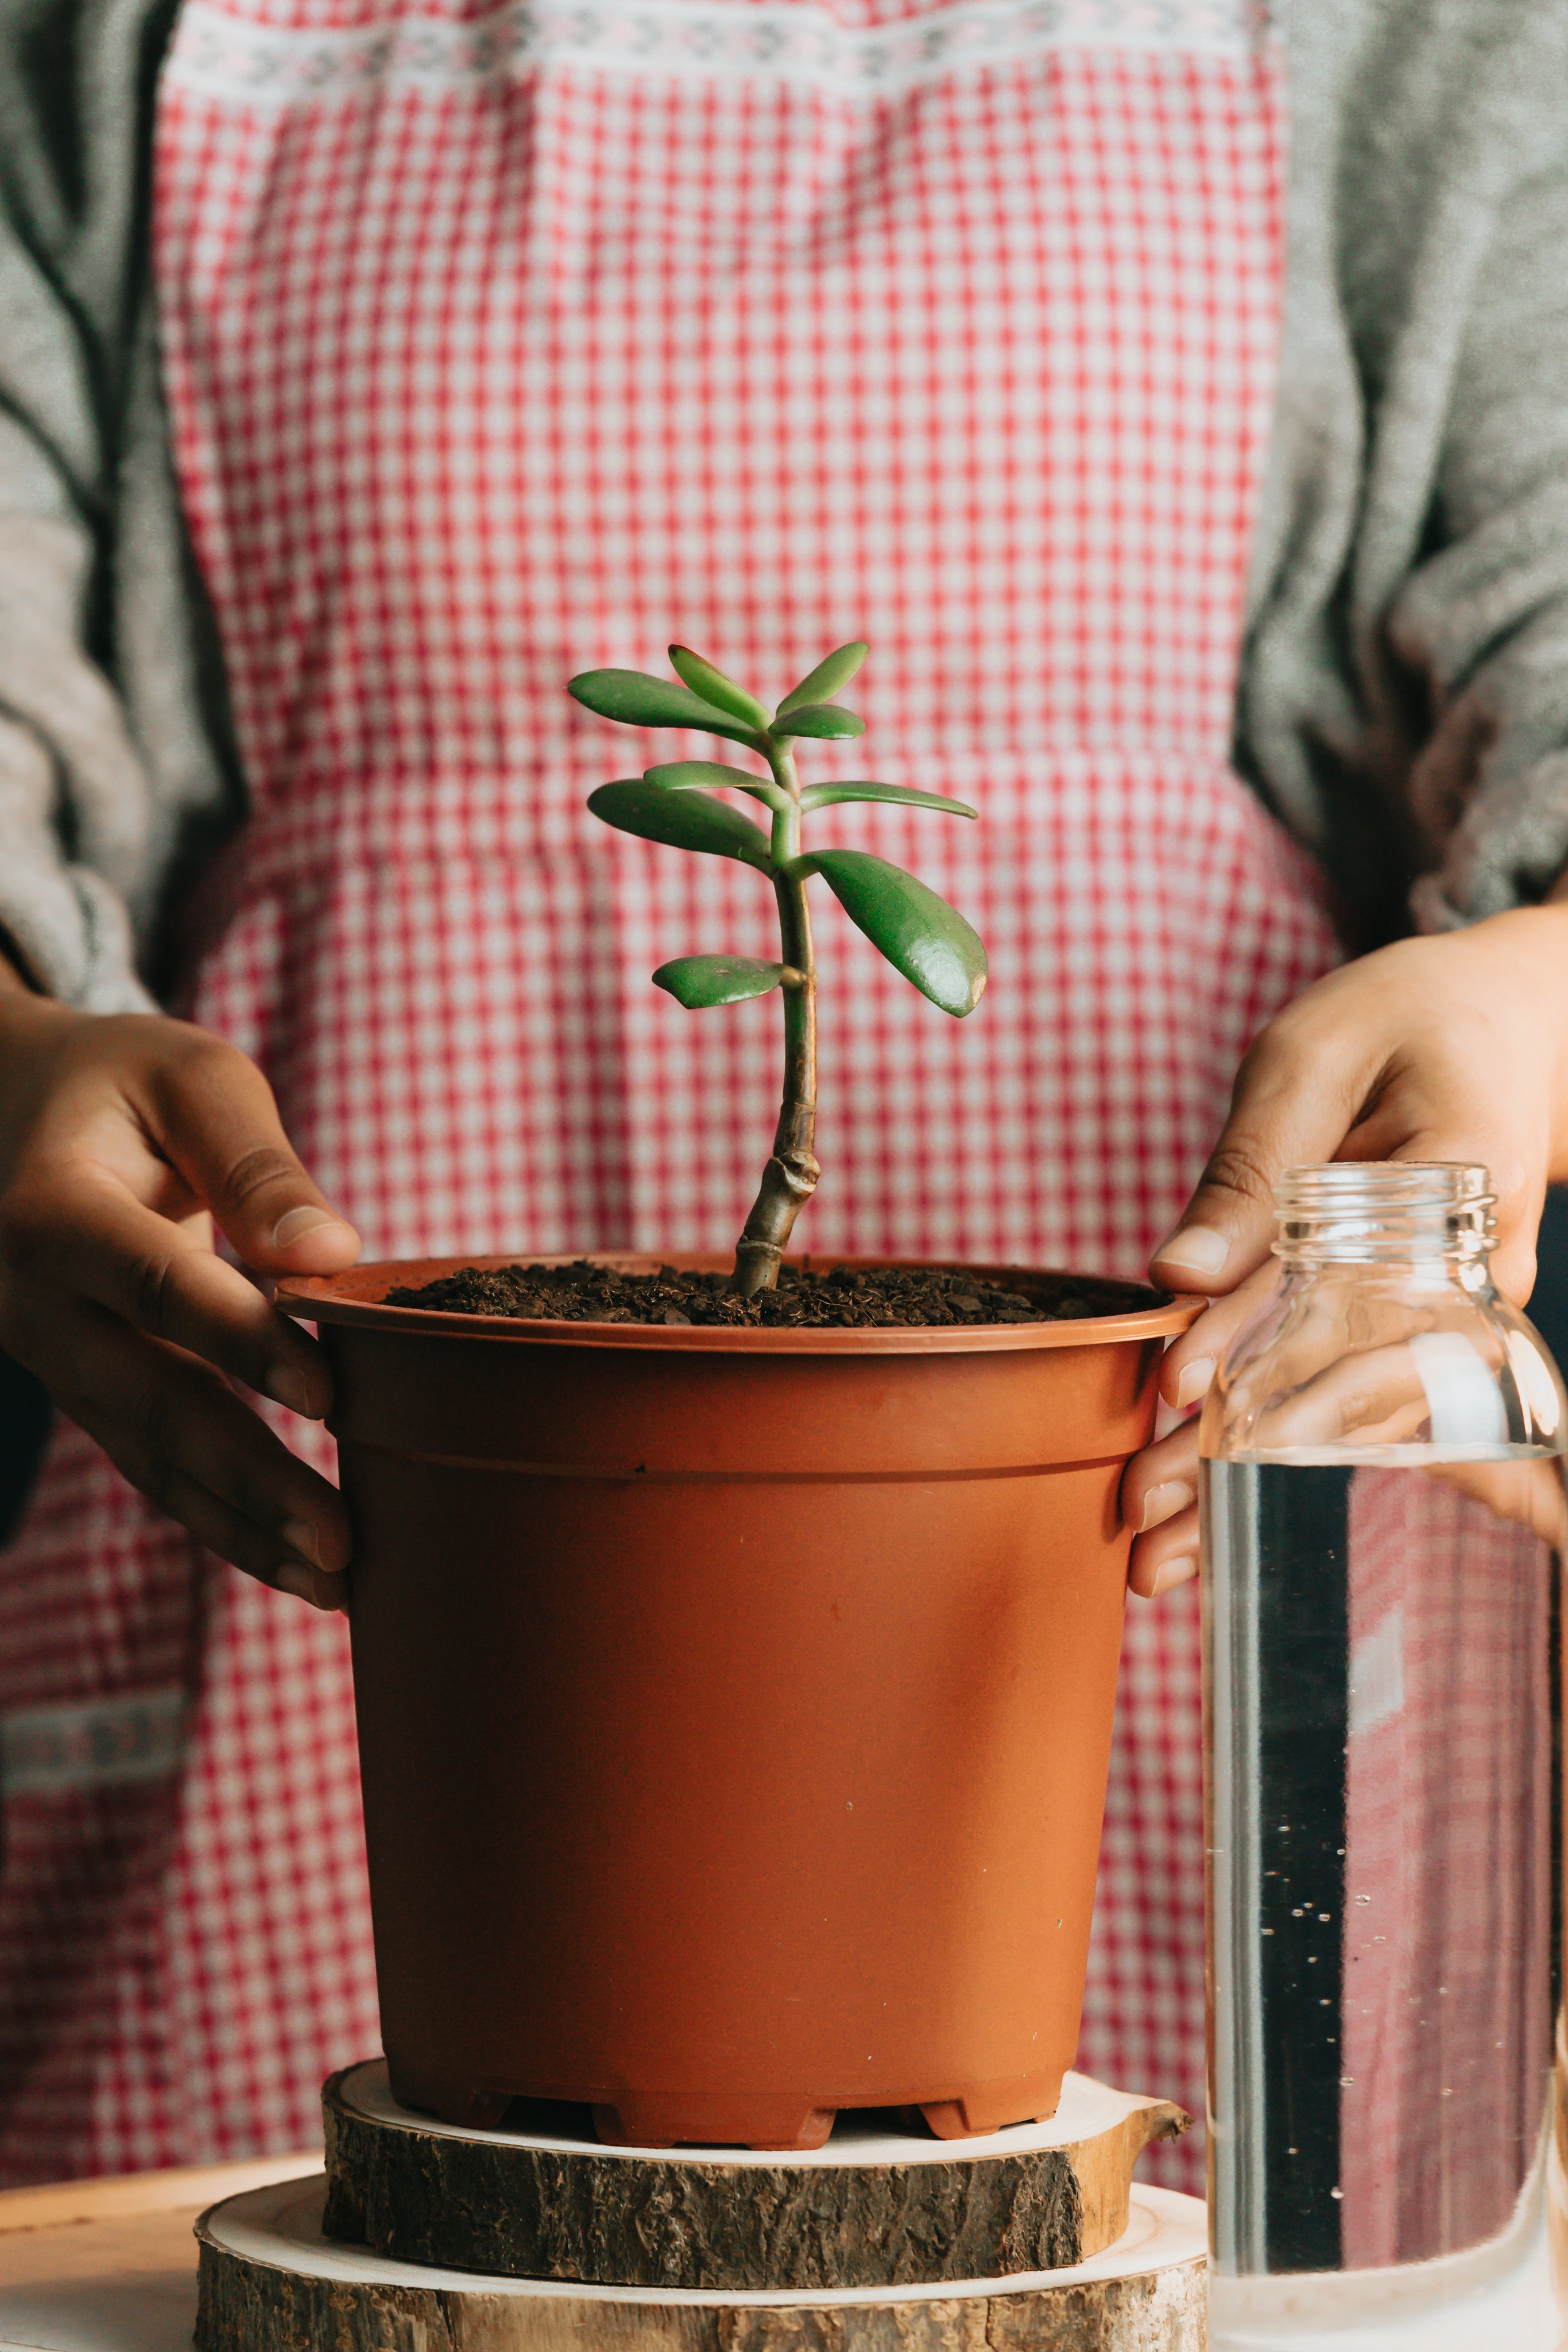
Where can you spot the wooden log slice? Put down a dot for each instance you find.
(872, 2208)
(271, 2283)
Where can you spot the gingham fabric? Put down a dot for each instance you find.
(502, 345)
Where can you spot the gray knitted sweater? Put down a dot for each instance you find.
(1403, 702)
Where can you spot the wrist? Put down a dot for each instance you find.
(23, 1012)
(1545, 1000)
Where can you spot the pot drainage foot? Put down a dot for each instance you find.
(449, 2103)
(973, 2118)
(616, 2132)
(743, 2124)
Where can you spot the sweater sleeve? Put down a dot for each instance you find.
(105, 753)
(1402, 701)
(1483, 620)
(73, 790)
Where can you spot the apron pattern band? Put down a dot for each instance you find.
(776, 41)
(101, 1743)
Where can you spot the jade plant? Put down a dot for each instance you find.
(921, 936)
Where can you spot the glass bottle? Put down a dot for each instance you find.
(1383, 1517)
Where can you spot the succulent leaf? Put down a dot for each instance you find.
(713, 776)
(920, 934)
(824, 720)
(684, 819)
(696, 980)
(824, 795)
(638, 700)
(713, 687)
(830, 676)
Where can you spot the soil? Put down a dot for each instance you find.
(844, 1296)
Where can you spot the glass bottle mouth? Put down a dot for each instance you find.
(1391, 1211)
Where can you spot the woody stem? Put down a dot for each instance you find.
(790, 1176)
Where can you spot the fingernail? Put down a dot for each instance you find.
(1162, 1502)
(1193, 1379)
(296, 1221)
(293, 1576)
(286, 1386)
(1197, 1249)
(322, 1589)
(302, 1538)
(1172, 1572)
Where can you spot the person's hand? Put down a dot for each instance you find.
(118, 1135)
(1450, 1048)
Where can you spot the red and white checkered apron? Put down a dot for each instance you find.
(505, 345)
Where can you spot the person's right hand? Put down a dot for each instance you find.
(118, 1134)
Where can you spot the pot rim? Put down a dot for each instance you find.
(354, 1297)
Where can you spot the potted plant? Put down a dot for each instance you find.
(736, 1646)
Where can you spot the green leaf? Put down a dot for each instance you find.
(697, 776)
(638, 700)
(684, 819)
(823, 796)
(712, 776)
(713, 687)
(830, 678)
(822, 720)
(919, 933)
(696, 980)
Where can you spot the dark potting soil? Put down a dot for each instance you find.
(844, 1296)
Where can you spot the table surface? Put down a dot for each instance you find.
(111, 2266)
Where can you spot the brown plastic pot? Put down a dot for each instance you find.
(734, 1705)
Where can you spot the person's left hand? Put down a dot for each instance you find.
(1450, 1048)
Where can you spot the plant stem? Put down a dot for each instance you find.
(790, 1176)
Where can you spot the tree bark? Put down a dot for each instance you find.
(573, 2210)
(275, 2297)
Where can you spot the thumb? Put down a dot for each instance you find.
(218, 1123)
(1288, 1110)
(1226, 1226)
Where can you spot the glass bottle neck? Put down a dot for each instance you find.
(1428, 1219)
